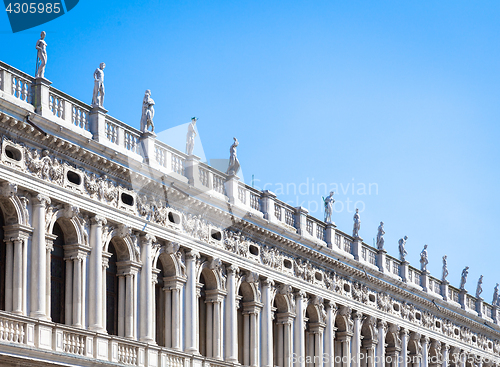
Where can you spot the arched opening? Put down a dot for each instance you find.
(368, 341)
(313, 336)
(247, 318)
(210, 315)
(57, 277)
(393, 343)
(160, 306)
(112, 292)
(282, 329)
(2, 263)
(342, 344)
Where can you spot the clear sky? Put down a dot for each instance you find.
(403, 95)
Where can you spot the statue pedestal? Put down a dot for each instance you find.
(148, 139)
(495, 314)
(267, 201)
(381, 260)
(404, 271)
(191, 170)
(231, 186)
(479, 307)
(97, 123)
(444, 290)
(462, 297)
(330, 234)
(356, 248)
(301, 220)
(41, 97)
(424, 280)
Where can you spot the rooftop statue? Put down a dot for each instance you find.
(190, 136)
(380, 236)
(445, 268)
(424, 259)
(402, 250)
(495, 296)
(329, 200)
(463, 280)
(98, 95)
(357, 224)
(41, 56)
(479, 288)
(148, 112)
(234, 164)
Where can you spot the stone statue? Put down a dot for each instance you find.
(495, 296)
(465, 272)
(445, 268)
(234, 164)
(424, 259)
(190, 136)
(380, 236)
(402, 251)
(98, 96)
(329, 200)
(357, 224)
(479, 288)
(41, 56)
(148, 112)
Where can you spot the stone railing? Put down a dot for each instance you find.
(63, 340)
(16, 84)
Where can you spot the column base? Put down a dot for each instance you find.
(193, 351)
(98, 329)
(148, 340)
(35, 315)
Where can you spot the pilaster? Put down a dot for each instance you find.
(41, 95)
(330, 234)
(231, 186)
(97, 123)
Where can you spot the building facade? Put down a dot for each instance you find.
(120, 250)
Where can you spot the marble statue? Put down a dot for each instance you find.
(402, 250)
(465, 272)
(380, 236)
(234, 164)
(479, 288)
(445, 268)
(98, 95)
(495, 296)
(41, 56)
(424, 259)
(190, 136)
(328, 201)
(148, 112)
(357, 224)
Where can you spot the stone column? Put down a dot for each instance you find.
(425, 351)
(167, 294)
(121, 305)
(316, 343)
(446, 356)
(17, 300)
(217, 354)
(382, 329)
(287, 341)
(299, 346)
(191, 303)
(49, 246)
(68, 302)
(95, 275)
(176, 314)
(231, 316)
(356, 340)
(267, 323)
(404, 333)
(38, 258)
(77, 292)
(331, 314)
(370, 346)
(105, 265)
(345, 343)
(172, 294)
(129, 305)
(146, 304)
(9, 275)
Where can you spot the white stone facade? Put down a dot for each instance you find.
(120, 250)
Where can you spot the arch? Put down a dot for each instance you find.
(212, 274)
(73, 227)
(171, 263)
(14, 207)
(126, 243)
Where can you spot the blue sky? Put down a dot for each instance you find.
(400, 95)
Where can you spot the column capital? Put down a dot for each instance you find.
(192, 255)
(425, 339)
(232, 269)
(382, 324)
(147, 239)
(8, 189)
(356, 315)
(404, 332)
(300, 294)
(41, 200)
(267, 282)
(98, 220)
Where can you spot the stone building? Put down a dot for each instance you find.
(120, 250)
